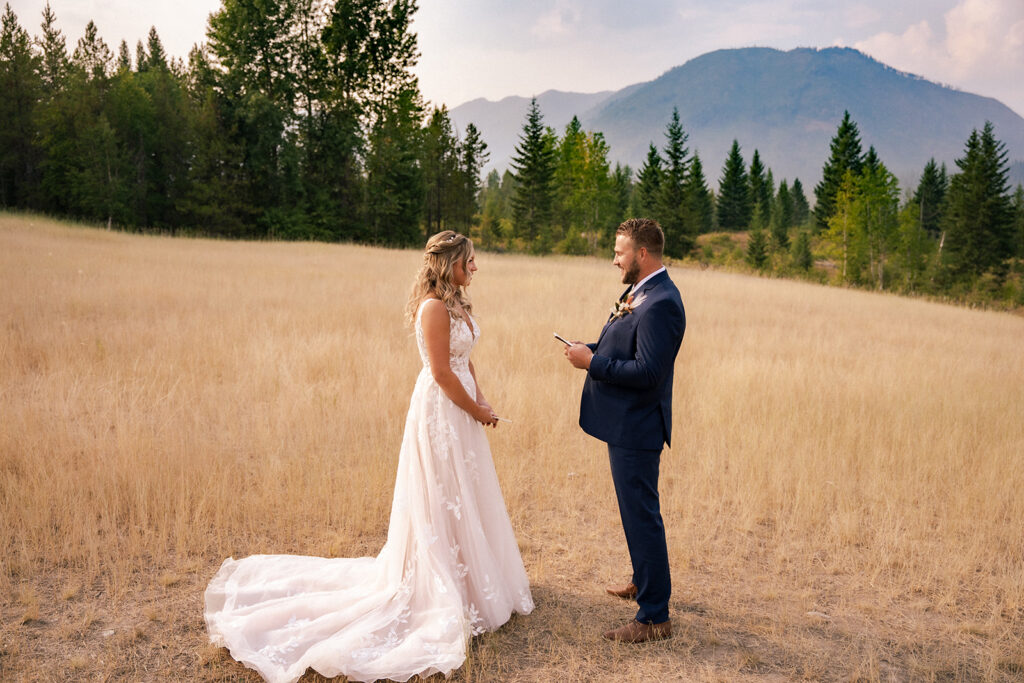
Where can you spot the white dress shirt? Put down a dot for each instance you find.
(637, 286)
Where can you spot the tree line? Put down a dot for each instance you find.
(954, 234)
(301, 119)
(296, 119)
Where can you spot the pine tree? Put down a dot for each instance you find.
(570, 171)
(778, 226)
(870, 162)
(55, 63)
(394, 182)
(841, 228)
(92, 54)
(930, 197)
(599, 192)
(700, 206)
(250, 41)
(878, 216)
(157, 58)
(760, 194)
(124, 59)
(160, 141)
(214, 200)
(1018, 209)
(648, 187)
(474, 156)
(440, 162)
(622, 187)
(496, 198)
(394, 107)
(141, 58)
(979, 214)
(865, 226)
(336, 74)
(734, 205)
(784, 204)
(534, 171)
(845, 155)
(779, 218)
(760, 218)
(20, 85)
(680, 235)
(801, 210)
(757, 249)
(913, 247)
(586, 198)
(802, 257)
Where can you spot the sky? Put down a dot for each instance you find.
(497, 48)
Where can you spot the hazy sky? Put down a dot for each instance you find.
(495, 48)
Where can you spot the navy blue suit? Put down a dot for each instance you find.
(627, 403)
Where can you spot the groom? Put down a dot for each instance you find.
(627, 403)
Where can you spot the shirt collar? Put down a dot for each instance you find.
(637, 286)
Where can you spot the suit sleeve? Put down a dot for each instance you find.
(658, 332)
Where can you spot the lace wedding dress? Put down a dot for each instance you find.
(450, 568)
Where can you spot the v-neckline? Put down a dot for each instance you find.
(467, 321)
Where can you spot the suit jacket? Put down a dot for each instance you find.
(627, 396)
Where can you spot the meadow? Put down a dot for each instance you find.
(842, 498)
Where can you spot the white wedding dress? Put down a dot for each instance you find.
(450, 568)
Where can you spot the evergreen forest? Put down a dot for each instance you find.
(302, 119)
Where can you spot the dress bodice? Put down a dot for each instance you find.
(461, 340)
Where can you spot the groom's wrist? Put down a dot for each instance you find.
(596, 366)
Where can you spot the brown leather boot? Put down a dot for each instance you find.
(627, 592)
(635, 632)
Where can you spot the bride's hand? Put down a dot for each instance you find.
(484, 414)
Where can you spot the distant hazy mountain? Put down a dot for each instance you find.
(785, 104)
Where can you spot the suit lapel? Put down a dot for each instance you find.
(622, 298)
(608, 322)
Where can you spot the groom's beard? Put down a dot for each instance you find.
(632, 274)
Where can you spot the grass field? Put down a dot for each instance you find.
(843, 500)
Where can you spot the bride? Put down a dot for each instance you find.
(450, 568)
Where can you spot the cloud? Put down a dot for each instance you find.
(980, 32)
(558, 22)
(861, 15)
(979, 47)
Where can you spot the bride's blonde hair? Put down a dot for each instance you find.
(434, 278)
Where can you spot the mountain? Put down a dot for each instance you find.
(786, 104)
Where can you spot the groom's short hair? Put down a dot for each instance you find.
(644, 232)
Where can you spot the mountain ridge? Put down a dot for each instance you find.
(786, 104)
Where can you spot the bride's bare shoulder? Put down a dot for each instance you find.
(430, 302)
(433, 310)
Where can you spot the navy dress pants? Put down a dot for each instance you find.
(635, 473)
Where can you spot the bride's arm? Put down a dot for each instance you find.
(480, 398)
(436, 323)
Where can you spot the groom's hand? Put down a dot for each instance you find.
(579, 354)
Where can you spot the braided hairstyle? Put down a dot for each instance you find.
(435, 277)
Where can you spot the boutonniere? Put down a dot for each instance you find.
(622, 308)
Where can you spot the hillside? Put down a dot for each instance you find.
(787, 105)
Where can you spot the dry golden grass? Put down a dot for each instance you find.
(843, 501)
